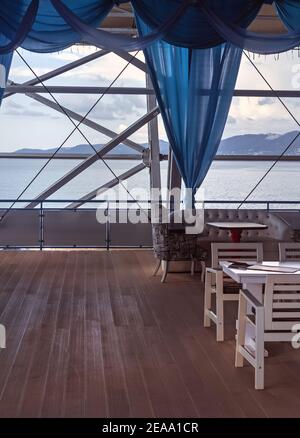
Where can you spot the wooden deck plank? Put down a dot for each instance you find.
(93, 334)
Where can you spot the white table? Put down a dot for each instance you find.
(253, 281)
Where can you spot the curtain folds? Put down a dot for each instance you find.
(23, 29)
(289, 13)
(194, 89)
(50, 32)
(193, 30)
(110, 41)
(5, 63)
(255, 42)
(52, 25)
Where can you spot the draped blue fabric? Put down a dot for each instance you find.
(51, 25)
(102, 39)
(194, 90)
(23, 27)
(254, 42)
(193, 30)
(50, 32)
(289, 12)
(5, 63)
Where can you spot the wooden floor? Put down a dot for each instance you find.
(92, 334)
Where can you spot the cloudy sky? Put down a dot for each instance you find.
(26, 123)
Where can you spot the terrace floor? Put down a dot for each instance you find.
(92, 334)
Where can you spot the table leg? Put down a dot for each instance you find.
(236, 235)
(257, 291)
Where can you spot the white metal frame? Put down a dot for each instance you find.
(34, 90)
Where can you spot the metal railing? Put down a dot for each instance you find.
(50, 205)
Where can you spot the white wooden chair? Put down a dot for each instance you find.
(289, 251)
(224, 288)
(275, 320)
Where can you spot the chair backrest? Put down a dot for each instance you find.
(289, 251)
(244, 251)
(282, 302)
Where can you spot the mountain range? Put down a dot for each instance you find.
(248, 144)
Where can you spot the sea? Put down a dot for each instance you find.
(226, 181)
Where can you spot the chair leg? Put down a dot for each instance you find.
(241, 331)
(193, 267)
(220, 307)
(207, 299)
(203, 267)
(259, 349)
(157, 267)
(165, 266)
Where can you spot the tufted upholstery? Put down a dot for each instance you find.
(277, 229)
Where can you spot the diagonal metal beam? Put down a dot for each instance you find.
(134, 61)
(93, 158)
(114, 182)
(59, 71)
(93, 125)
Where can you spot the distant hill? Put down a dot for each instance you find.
(85, 149)
(248, 144)
(260, 144)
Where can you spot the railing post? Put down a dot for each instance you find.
(41, 216)
(107, 229)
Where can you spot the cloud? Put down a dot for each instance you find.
(112, 107)
(65, 56)
(13, 108)
(22, 74)
(266, 101)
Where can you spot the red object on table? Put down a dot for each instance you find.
(236, 235)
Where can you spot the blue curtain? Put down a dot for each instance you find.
(256, 42)
(289, 12)
(51, 25)
(103, 39)
(5, 63)
(194, 88)
(193, 30)
(50, 32)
